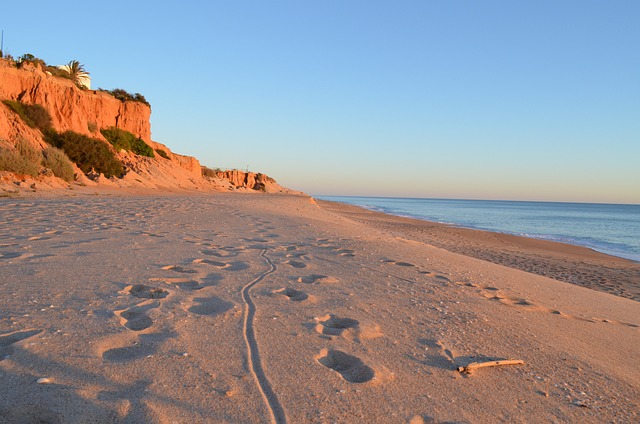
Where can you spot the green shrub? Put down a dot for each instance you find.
(57, 72)
(34, 116)
(22, 159)
(141, 148)
(121, 139)
(162, 153)
(86, 152)
(29, 58)
(58, 163)
(27, 151)
(92, 126)
(125, 96)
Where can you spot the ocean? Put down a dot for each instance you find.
(607, 228)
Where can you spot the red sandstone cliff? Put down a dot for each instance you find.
(88, 111)
(81, 111)
(250, 180)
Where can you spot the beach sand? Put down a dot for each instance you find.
(267, 308)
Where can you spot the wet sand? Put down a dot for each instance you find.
(260, 308)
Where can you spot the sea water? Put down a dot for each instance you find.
(607, 228)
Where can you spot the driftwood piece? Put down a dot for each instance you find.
(475, 365)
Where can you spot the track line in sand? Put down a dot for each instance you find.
(253, 356)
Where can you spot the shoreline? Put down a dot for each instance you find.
(570, 263)
(544, 237)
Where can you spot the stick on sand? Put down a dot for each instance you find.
(475, 365)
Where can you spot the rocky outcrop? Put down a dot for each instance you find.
(250, 180)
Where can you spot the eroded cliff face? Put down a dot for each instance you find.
(250, 180)
(81, 111)
(72, 109)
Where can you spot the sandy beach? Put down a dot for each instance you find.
(249, 308)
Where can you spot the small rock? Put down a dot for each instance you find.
(43, 380)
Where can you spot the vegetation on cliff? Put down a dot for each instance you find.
(58, 162)
(34, 116)
(24, 159)
(162, 153)
(74, 71)
(90, 154)
(121, 139)
(125, 96)
(210, 173)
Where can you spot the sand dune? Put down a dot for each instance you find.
(245, 308)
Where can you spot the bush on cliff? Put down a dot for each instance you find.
(121, 139)
(34, 115)
(22, 158)
(53, 70)
(58, 162)
(162, 153)
(125, 96)
(88, 153)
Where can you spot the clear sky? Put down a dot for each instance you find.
(535, 100)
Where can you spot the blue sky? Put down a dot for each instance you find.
(531, 100)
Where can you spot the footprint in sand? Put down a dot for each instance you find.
(10, 255)
(443, 279)
(182, 283)
(350, 368)
(317, 279)
(216, 264)
(332, 325)
(397, 263)
(35, 238)
(219, 254)
(297, 255)
(210, 306)
(146, 292)
(347, 253)
(147, 234)
(467, 284)
(129, 353)
(292, 294)
(6, 340)
(296, 264)
(255, 240)
(493, 293)
(144, 347)
(180, 269)
(135, 318)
